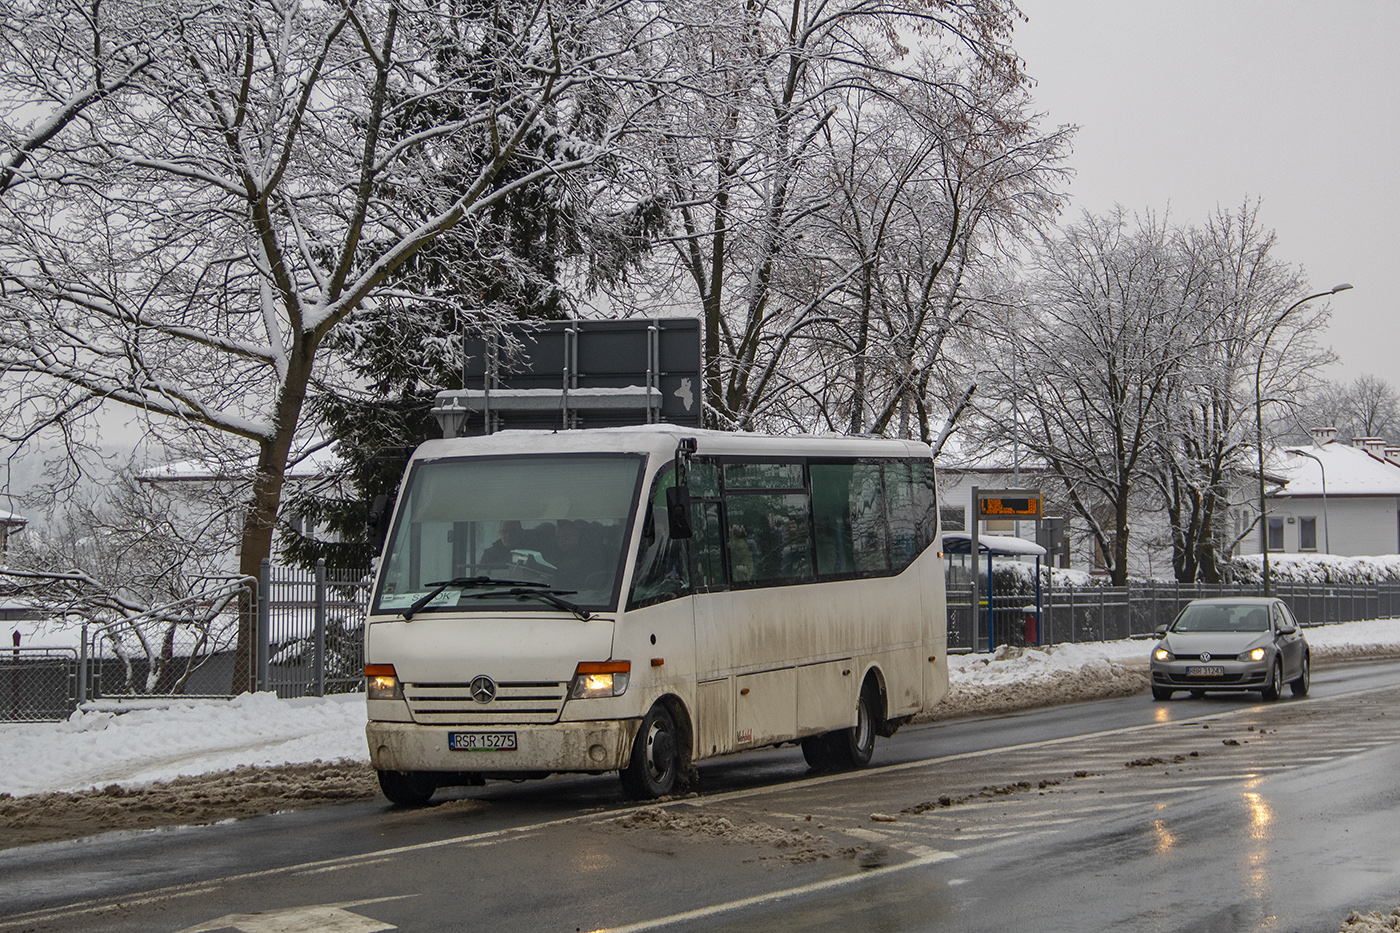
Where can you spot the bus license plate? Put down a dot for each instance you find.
(1205, 672)
(481, 741)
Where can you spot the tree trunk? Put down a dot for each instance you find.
(260, 522)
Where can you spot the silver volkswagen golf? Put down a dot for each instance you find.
(1236, 643)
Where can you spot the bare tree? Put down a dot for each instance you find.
(932, 189)
(189, 251)
(59, 59)
(750, 91)
(1083, 375)
(147, 571)
(1368, 406)
(1208, 443)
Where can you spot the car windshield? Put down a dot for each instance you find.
(478, 530)
(1216, 617)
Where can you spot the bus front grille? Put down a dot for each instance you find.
(523, 702)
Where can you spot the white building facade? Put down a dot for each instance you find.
(1335, 499)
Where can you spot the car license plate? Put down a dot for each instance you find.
(481, 741)
(1205, 672)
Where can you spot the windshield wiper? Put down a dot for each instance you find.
(460, 582)
(549, 596)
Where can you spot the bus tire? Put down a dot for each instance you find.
(655, 763)
(816, 749)
(853, 747)
(407, 788)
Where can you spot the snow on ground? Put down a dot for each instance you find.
(98, 748)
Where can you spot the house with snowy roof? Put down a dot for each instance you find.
(1333, 498)
(9, 523)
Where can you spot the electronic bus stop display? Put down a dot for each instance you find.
(577, 374)
(996, 506)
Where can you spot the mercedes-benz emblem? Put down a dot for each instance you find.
(483, 689)
(1205, 656)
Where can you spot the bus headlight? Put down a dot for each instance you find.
(600, 679)
(382, 683)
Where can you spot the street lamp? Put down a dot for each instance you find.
(1326, 540)
(1259, 422)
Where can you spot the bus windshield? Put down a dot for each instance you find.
(553, 523)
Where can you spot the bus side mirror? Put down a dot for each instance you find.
(678, 512)
(377, 522)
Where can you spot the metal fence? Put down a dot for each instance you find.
(310, 642)
(38, 684)
(310, 626)
(1107, 613)
(311, 630)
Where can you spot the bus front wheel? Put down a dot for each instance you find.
(407, 788)
(655, 760)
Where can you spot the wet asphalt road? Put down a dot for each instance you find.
(1212, 814)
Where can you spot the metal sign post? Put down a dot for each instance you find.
(1002, 504)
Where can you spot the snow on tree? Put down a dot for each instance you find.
(933, 189)
(737, 148)
(1084, 371)
(188, 244)
(1208, 444)
(146, 568)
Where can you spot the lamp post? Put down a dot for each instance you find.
(1259, 422)
(1326, 540)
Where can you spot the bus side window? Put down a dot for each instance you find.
(925, 504)
(661, 572)
(705, 545)
(899, 506)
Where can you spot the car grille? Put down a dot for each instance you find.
(523, 702)
(1224, 680)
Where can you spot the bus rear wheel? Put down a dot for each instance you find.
(847, 748)
(816, 749)
(407, 788)
(651, 772)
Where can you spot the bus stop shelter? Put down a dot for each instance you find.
(960, 542)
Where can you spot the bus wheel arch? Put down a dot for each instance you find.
(854, 747)
(661, 757)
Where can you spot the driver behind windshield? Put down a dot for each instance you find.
(571, 555)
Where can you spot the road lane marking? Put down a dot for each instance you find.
(773, 897)
(185, 890)
(317, 918)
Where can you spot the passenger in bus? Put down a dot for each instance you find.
(740, 554)
(512, 537)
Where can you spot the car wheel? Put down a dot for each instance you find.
(407, 788)
(654, 765)
(1304, 682)
(853, 747)
(1161, 693)
(1274, 689)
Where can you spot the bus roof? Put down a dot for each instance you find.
(661, 439)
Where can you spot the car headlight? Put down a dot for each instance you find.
(382, 683)
(1162, 654)
(600, 679)
(1257, 654)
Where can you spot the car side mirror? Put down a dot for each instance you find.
(678, 512)
(1287, 628)
(1160, 630)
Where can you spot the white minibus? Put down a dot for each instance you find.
(640, 599)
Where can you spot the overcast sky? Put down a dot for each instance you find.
(1190, 105)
